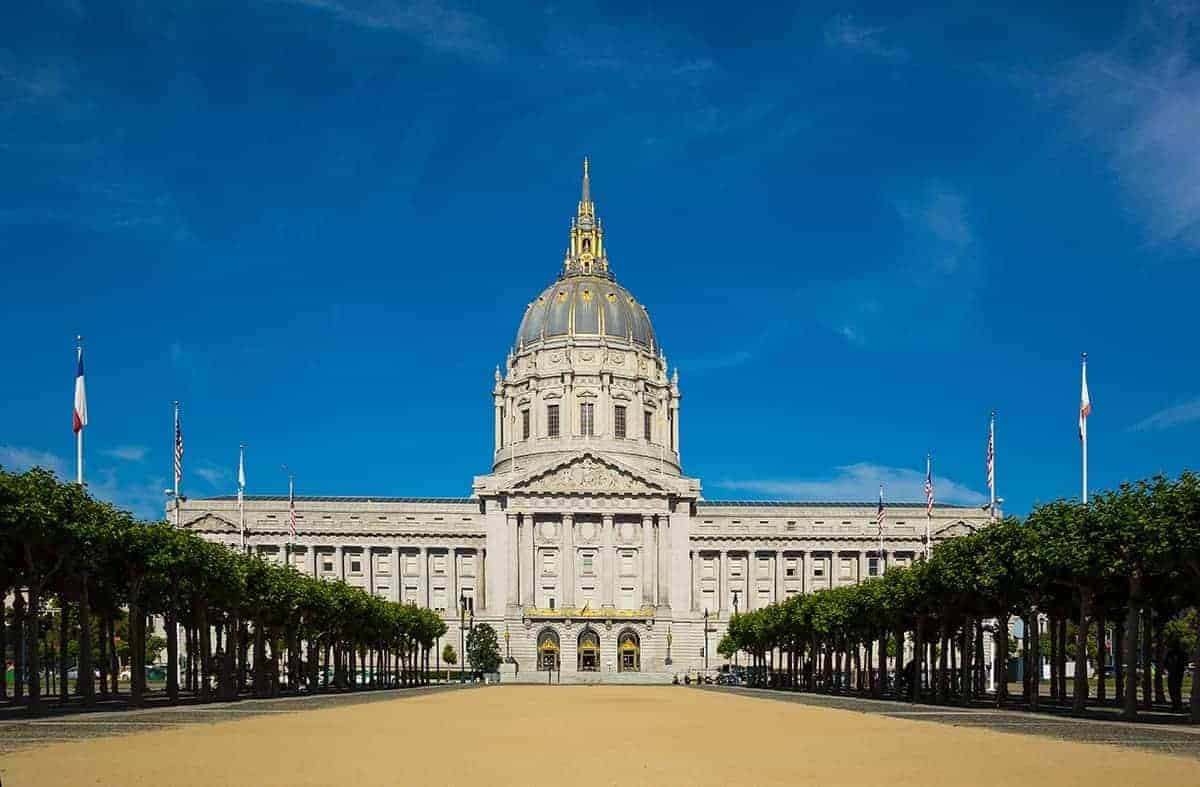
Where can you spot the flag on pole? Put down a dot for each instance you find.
(1085, 404)
(879, 514)
(79, 417)
(241, 473)
(178, 448)
(292, 507)
(928, 485)
(991, 456)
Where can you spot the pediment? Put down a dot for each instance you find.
(587, 473)
(210, 523)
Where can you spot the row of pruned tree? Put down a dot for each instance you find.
(1126, 562)
(250, 625)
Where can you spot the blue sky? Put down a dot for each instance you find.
(858, 228)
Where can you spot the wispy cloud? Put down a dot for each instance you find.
(937, 214)
(846, 34)
(1139, 102)
(216, 476)
(860, 482)
(1170, 417)
(434, 24)
(18, 459)
(128, 453)
(141, 494)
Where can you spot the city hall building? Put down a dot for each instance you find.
(586, 547)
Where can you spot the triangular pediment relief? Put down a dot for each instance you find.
(590, 474)
(210, 523)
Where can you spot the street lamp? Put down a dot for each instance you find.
(735, 611)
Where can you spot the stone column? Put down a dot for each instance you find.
(649, 558)
(675, 426)
(696, 561)
(339, 563)
(567, 572)
(862, 566)
(369, 558)
(723, 580)
(664, 561)
(513, 594)
(422, 576)
(526, 559)
(606, 562)
(452, 581)
(311, 561)
(780, 576)
(499, 428)
(481, 579)
(397, 577)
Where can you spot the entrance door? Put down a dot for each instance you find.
(589, 652)
(548, 650)
(629, 652)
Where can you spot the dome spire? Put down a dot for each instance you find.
(585, 254)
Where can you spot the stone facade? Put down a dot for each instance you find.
(585, 546)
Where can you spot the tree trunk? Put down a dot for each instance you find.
(1101, 658)
(172, 626)
(1129, 641)
(1195, 699)
(1052, 624)
(1000, 659)
(114, 661)
(64, 635)
(204, 659)
(137, 662)
(85, 683)
(32, 627)
(1079, 702)
(1160, 652)
(3, 644)
(260, 659)
(915, 686)
(229, 686)
(1035, 660)
(1148, 656)
(943, 681)
(1119, 661)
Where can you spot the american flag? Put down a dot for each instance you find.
(879, 514)
(1085, 403)
(292, 507)
(991, 453)
(928, 485)
(178, 448)
(79, 413)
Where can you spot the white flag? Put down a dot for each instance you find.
(1085, 406)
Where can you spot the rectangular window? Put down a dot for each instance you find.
(764, 567)
(552, 420)
(735, 567)
(873, 566)
(327, 564)
(619, 421)
(586, 425)
(791, 568)
(524, 424)
(548, 564)
(355, 564)
(587, 562)
(648, 426)
(819, 567)
(671, 429)
(439, 564)
(468, 565)
(847, 568)
(627, 564)
(709, 567)
(384, 564)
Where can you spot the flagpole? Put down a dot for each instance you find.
(241, 493)
(928, 510)
(992, 480)
(79, 432)
(175, 460)
(1083, 432)
(881, 560)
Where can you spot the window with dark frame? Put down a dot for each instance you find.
(648, 426)
(552, 420)
(619, 421)
(524, 424)
(586, 423)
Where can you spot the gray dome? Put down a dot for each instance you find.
(587, 306)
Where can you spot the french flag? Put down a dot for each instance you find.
(80, 414)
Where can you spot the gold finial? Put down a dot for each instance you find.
(586, 192)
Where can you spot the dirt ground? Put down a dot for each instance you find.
(581, 735)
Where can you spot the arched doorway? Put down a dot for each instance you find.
(548, 650)
(589, 651)
(629, 652)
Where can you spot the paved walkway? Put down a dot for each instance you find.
(1171, 739)
(17, 733)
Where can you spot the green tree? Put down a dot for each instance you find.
(483, 649)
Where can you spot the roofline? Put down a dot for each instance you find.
(338, 499)
(827, 504)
